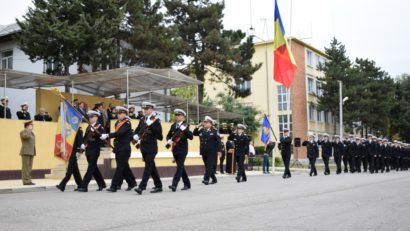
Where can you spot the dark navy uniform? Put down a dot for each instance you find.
(180, 151)
(346, 157)
(122, 150)
(337, 155)
(312, 153)
(285, 147)
(326, 154)
(241, 149)
(93, 145)
(72, 168)
(372, 153)
(210, 145)
(8, 112)
(149, 149)
(23, 115)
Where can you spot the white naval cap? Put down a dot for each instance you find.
(325, 134)
(241, 126)
(179, 111)
(93, 113)
(4, 98)
(147, 105)
(24, 104)
(209, 119)
(121, 109)
(131, 106)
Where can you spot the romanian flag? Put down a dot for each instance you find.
(265, 136)
(284, 63)
(67, 127)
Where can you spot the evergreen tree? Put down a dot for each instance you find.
(210, 48)
(335, 69)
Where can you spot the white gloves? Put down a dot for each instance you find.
(83, 147)
(77, 155)
(139, 142)
(169, 141)
(149, 122)
(183, 127)
(136, 137)
(104, 136)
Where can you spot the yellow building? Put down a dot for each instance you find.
(294, 108)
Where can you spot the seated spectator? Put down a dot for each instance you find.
(43, 116)
(24, 114)
(3, 104)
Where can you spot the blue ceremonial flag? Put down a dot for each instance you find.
(265, 136)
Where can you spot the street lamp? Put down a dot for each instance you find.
(341, 102)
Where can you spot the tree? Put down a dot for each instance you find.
(150, 42)
(210, 48)
(372, 93)
(51, 31)
(400, 113)
(100, 22)
(335, 69)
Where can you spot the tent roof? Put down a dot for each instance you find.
(166, 103)
(103, 83)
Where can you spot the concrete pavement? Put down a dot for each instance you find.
(265, 202)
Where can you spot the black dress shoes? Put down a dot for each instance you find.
(173, 188)
(60, 188)
(111, 189)
(213, 182)
(82, 190)
(156, 190)
(205, 182)
(238, 179)
(185, 188)
(138, 190)
(100, 188)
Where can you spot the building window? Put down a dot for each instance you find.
(285, 122)
(7, 59)
(319, 91)
(52, 68)
(312, 112)
(283, 98)
(244, 86)
(319, 116)
(309, 56)
(317, 61)
(311, 85)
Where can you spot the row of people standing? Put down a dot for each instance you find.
(23, 114)
(357, 154)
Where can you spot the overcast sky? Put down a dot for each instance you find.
(374, 29)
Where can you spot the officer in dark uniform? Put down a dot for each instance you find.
(23, 114)
(285, 147)
(72, 168)
(371, 151)
(338, 153)
(147, 133)
(382, 155)
(122, 149)
(312, 153)
(387, 158)
(230, 165)
(346, 157)
(210, 144)
(92, 145)
(363, 154)
(4, 104)
(352, 150)
(326, 146)
(177, 140)
(357, 160)
(241, 141)
(223, 155)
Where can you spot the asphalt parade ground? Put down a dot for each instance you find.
(265, 202)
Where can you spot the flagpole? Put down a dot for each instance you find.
(273, 150)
